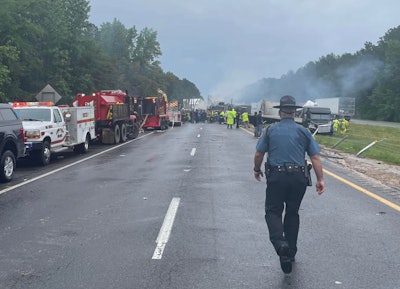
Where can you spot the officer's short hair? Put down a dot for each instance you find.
(288, 110)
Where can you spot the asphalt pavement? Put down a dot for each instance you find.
(181, 209)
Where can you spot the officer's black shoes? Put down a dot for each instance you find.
(286, 265)
(284, 258)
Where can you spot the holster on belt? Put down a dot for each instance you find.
(307, 173)
(267, 170)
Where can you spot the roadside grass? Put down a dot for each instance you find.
(357, 137)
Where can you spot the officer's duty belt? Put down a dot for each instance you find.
(288, 168)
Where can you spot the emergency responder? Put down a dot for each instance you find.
(245, 119)
(287, 174)
(336, 124)
(221, 117)
(234, 115)
(230, 118)
(343, 126)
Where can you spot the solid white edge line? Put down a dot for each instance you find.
(165, 231)
(67, 166)
(193, 152)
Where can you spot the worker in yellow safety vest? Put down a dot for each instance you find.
(245, 119)
(221, 117)
(230, 118)
(335, 125)
(344, 124)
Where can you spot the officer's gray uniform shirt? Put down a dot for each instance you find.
(286, 142)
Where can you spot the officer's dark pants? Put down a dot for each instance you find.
(284, 189)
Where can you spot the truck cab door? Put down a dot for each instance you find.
(59, 131)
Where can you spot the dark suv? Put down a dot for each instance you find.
(12, 144)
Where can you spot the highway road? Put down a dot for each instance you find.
(181, 209)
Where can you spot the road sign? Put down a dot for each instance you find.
(48, 94)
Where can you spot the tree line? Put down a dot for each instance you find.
(53, 42)
(371, 75)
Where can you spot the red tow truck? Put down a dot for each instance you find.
(115, 120)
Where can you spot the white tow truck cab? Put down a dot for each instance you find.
(51, 129)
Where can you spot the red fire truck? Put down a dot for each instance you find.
(115, 121)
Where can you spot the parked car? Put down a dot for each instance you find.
(12, 145)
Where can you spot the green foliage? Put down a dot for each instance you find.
(386, 96)
(8, 54)
(116, 41)
(181, 89)
(147, 48)
(52, 42)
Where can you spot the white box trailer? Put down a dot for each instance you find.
(342, 107)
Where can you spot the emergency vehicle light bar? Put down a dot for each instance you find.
(32, 103)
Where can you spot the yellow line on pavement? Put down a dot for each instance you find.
(364, 191)
(247, 130)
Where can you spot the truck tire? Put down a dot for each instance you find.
(82, 148)
(123, 132)
(7, 166)
(117, 134)
(133, 131)
(44, 155)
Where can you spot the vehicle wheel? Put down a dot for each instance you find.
(123, 132)
(44, 155)
(117, 134)
(133, 131)
(83, 147)
(7, 165)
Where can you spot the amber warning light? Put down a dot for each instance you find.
(33, 103)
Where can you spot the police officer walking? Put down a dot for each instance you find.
(286, 144)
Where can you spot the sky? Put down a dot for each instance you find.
(223, 45)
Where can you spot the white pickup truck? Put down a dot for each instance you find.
(52, 129)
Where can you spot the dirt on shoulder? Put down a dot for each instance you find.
(388, 175)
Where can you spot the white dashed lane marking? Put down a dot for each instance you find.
(165, 231)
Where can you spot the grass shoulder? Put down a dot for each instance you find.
(384, 141)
